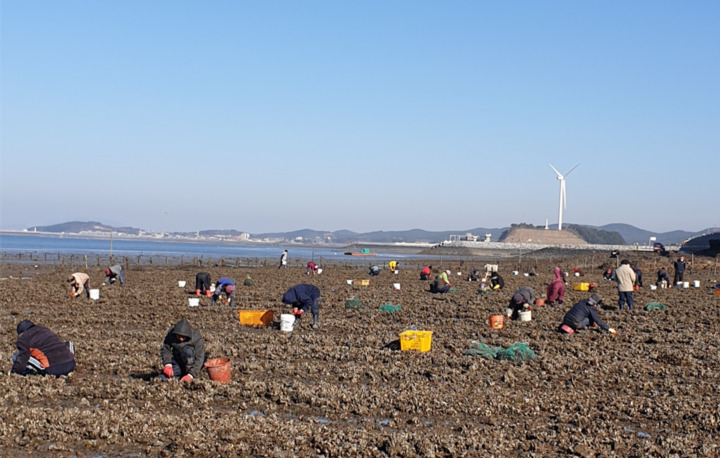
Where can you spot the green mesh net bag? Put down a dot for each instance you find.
(519, 351)
(390, 308)
(353, 304)
(650, 306)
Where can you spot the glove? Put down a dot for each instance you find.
(186, 378)
(297, 312)
(168, 371)
(496, 287)
(612, 331)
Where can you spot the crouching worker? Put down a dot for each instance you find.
(112, 273)
(496, 281)
(304, 297)
(584, 314)
(556, 289)
(227, 286)
(202, 284)
(441, 283)
(79, 282)
(182, 353)
(425, 273)
(41, 352)
(374, 271)
(522, 297)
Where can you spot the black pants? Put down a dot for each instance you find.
(202, 281)
(678, 277)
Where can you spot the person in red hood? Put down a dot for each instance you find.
(425, 273)
(556, 289)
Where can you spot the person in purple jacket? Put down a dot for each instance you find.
(227, 286)
(304, 297)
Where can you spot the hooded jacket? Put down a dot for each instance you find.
(556, 289)
(40, 343)
(496, 279)
(172, 347)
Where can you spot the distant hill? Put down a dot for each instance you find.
(614, 234)
(76, 227)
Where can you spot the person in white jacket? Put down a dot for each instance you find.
(625, 278)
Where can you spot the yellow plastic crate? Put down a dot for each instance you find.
(416, 340)
(581, 287)
(361, 282)
(256, 317)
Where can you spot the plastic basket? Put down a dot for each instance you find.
(256, 317)
(581, 287)
(416, 340)
(361, 282)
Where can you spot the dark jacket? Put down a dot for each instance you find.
(302, 295)
(575, 316)
(43, 345)
(496, 279)
(172, 347)
(679, 266)
(662, 275)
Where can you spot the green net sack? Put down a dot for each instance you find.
(650, 306)
(519, 351)
(390, 308)
(249, 282)
(353, 304)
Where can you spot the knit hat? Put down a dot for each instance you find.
(594, 299)
(229, 289)
(518, 298)
(24, 325)
(107, 271)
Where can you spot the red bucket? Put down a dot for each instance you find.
(219, 369)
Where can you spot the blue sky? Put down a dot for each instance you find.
(375, 115)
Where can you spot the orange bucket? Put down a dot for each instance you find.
(219, 369)
(496, 321)
(540, 302)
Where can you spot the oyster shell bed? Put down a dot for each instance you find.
(346, 389)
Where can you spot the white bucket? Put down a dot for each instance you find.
(686, 284)
(181, 283)
(349, 282)
(94, 294)
(515, 272)
(319, 271)
(696, 283)
(193, 301)
(287, 321)
(653, 287)
(577, 274)
(396, 286)
(525, 315)
(526, 274)
(679, 284)
(396, 272)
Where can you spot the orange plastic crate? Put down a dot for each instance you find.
(416, 340)
(256, 317)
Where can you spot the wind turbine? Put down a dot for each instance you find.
(563, 196)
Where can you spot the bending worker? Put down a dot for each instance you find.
(182, 353)
(304, 297)
(584, 314)
(524, 295)
(425, 273)
(79, 282)
(496, 281)
(441, 283)
(202, 284)
(41, 352)
(112, 273)
(227, 286)
(556, 289)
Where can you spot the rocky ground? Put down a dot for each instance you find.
(345, 389)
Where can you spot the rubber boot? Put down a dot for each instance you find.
(197, 292)
(208, 293)
(315, 322)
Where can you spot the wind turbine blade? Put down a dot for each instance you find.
(568, 173)
(558, 173)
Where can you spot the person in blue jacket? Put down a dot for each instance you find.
(304, 297)
(227, 286)
(584, 314)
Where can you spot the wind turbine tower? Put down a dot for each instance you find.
(563, 195)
